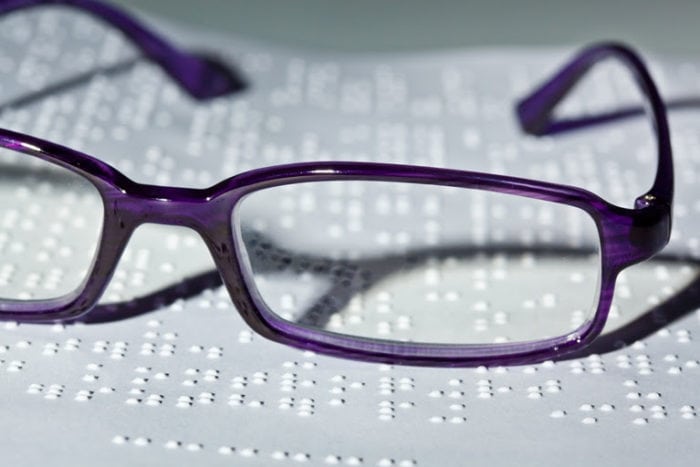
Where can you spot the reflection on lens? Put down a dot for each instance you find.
(50, 223)
(419, 263)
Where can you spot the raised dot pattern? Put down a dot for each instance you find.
(186, 381)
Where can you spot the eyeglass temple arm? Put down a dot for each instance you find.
(535, 111)
(200, 76)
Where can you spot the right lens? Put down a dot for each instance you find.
(50, 224)
(419, 263)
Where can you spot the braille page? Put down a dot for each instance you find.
(165, 372)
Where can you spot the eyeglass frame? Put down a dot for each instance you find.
(627, 236)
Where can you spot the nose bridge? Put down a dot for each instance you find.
(186, 207)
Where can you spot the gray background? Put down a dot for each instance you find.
(413, 24)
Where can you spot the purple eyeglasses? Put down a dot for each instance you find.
(329, 287)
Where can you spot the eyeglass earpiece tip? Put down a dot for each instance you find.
(214, 78)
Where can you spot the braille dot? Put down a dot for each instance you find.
(15, 366)
(141, 441)
(279, 455)
(248, 452)
(83, 396)
(226, 450)
(119, 439)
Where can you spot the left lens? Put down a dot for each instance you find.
(419, 263)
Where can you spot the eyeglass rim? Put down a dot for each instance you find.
(128, 204)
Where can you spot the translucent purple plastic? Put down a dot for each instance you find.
(627, 236)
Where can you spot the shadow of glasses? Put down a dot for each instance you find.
(638, 324)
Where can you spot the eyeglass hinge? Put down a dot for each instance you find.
(651, 227)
